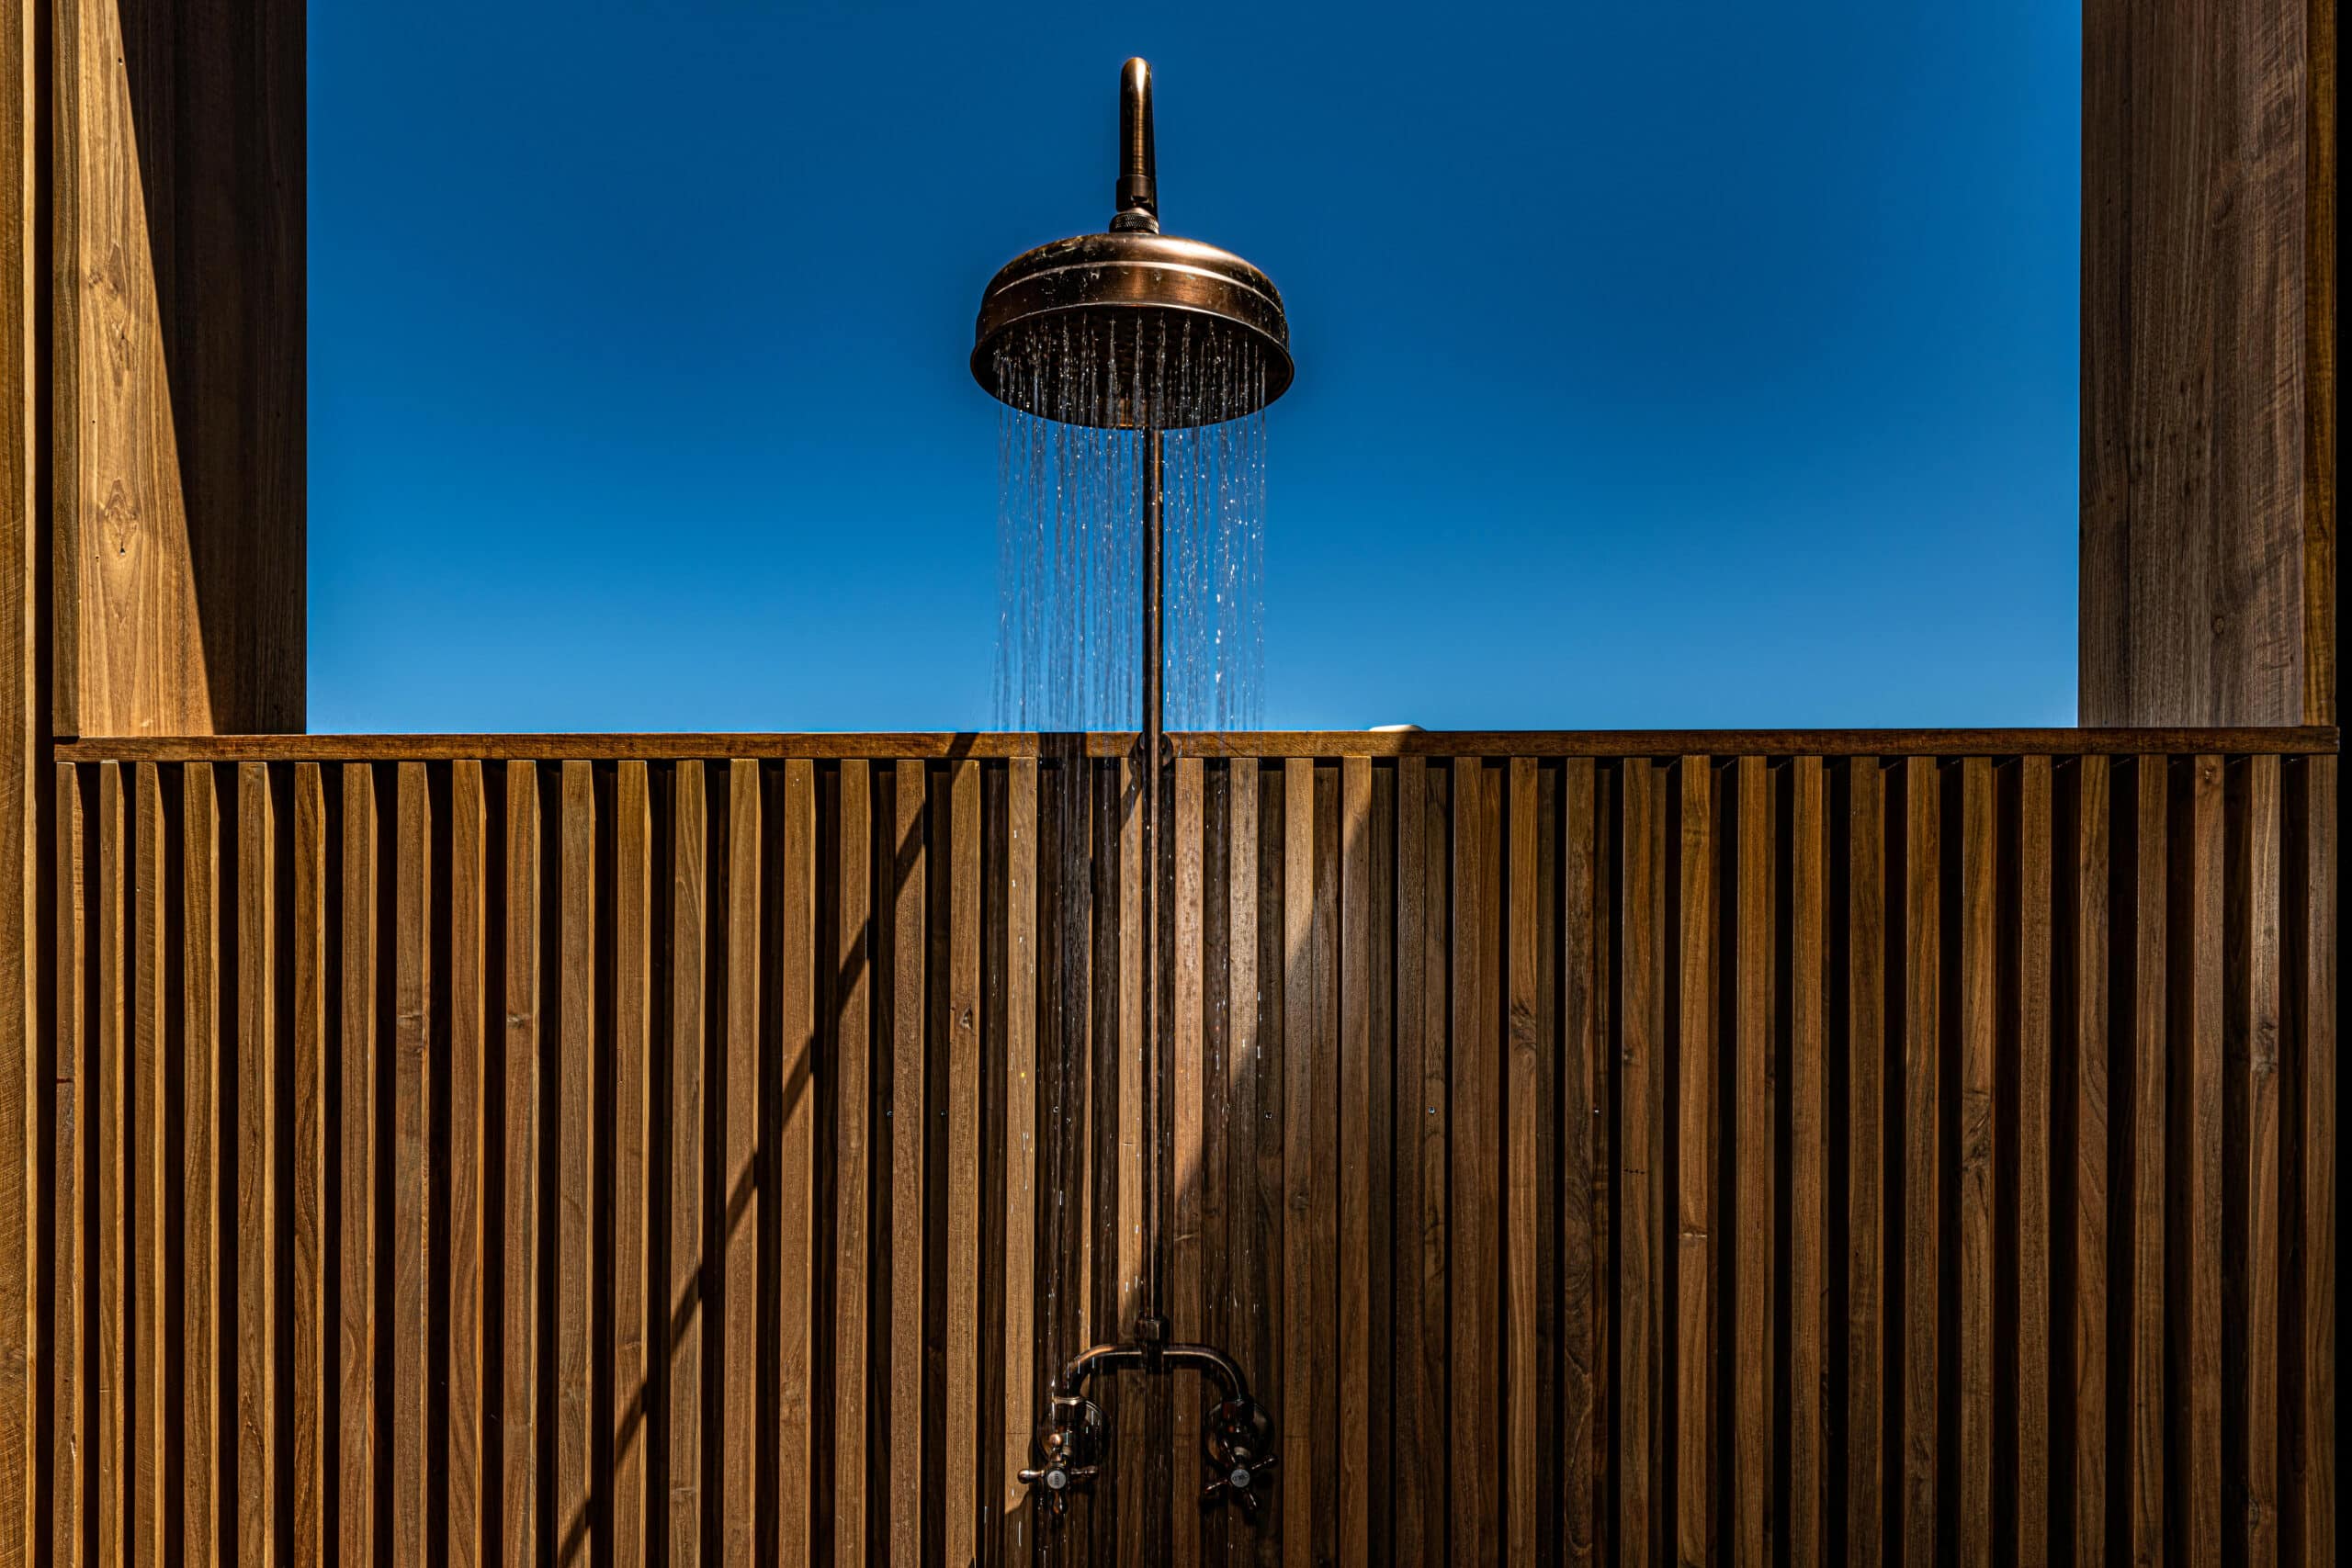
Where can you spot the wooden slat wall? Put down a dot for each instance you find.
(1818, 1158)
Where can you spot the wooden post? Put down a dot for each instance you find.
(2209, 363)
(176, 365)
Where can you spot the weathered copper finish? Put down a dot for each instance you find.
(1133, 278)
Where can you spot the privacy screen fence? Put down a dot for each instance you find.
(1595, 1148)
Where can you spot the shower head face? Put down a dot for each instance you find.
(1132, 329)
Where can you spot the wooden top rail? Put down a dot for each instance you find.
(945, 746)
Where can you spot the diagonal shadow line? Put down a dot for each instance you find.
(687, 1307)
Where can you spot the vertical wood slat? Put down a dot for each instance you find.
(1187, 1304)
(1867, 1406)
(690, 1289)
(2088, 1350)
(737, 1221)
(470, 900)
(853, 1053)
(2251, 1418)
(907, 1210)
(2028, 1450)
(356, 1157)
(2193, 1228)
(110, 1233)
(1695, 1249)
(1353, 1439)
(201, 1167)
(412, 1155)
(1476, 1179)
(520, 1045)
(962, 1457)
(1979, 892)
(572, 1447)
(1923, 1152)
(1754, 1076)
(1639, 1317)
(258, 1133)
(1300, 1451)
(795, 1164)
(1583, 1072)
(72, 1108)
(1523, 1108)
(1018, 1089)
(624, 1292)
(1808, 1090)
(2308, 1469)
(2224, 944)
(145, 1462)
(309, 1043)
(1123, 1520)
(2143, 1444)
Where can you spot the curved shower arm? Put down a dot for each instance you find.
(1137, 199)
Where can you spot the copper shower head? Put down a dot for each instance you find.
(1131, 304)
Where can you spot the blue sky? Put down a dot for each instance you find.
(1698, 363)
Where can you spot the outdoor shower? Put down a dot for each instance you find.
(1115, 345)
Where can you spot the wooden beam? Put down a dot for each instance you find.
(177, 367)
(2209, 363)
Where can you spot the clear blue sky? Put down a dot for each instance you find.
(1696, 364)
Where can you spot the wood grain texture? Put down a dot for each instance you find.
(853, 1053)
(693, 1262)
(1024, 1387)
(1355, 1435)
(1923, 1048)
(411, 1235)
(2208, 572)
(463, 1293)
(258, 1132)
(1639, 1317)
(521, 1043)
(736, 1088)
(1584, 1074)
(1754, 1075)
(2088, 958)
(1258, 745)
(311, 1043)
(144, 1464)
(358, 1157)
(1810, 1421)
(908, 1214)
(1474, 1273)
(24, 740)
(2193, 1200)
(2033, 1073)
(794, 976)
(1300, 1449)
(1456, 1079)
(1524, 1108)
(1186, 1034)
(961, 1455)
(2251, 1418)
(630, 1512)
(71, 1110)
(1971, 1465)
(1867, 1263)
(203, 1141)
(1697, 1172)
(2311, 1519)
(177, 369)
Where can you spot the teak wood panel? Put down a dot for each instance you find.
(1753, 1157)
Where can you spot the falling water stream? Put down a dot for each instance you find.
(1081, 406)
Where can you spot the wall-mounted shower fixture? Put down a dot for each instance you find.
(1133, 330)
